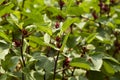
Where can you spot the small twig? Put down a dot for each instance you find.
(23, 3)
(22, 56)
(73, 71)
(71, 28)
(55, 66)
(45, 75)
(63, 71)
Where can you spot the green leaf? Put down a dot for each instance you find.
(44, 29)
(38, 75)
(67, 23)
(111, 25)
(97, 62)
(35, 15)
(45, 63)
(3, 53)
(4, 36)
(6, 9)
(47, 38)
(4, 49)
(91, 75)
(3, 77)
(117, 21)
(81, 63)
(91, 37)
(72, 41)
(64, 42)
(77, 11)
(10, 63)
(40, 41)
(107, 57)
(1, 1)
(81, 25)
(87, 4)
(107, 68)
(37, 40)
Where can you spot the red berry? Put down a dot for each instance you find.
(58, 39)
(4, 2)
(78, 2)
(94, 15)
(59, 17)
(112, 1)
(106, 8)
(58, 45)
(100, 4)
(67, 61)
(61, 3)
(57, 24)
(24, 32)
(17, 43)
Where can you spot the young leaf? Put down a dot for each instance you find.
(77, 11)
(4, 36)
(81, 63)
(91, 37)
(40, 41)
(108, 69)
(64, 42)
(67, 23)
(1, 1)
(3, 77)
(44, 29)
(97, 62)
(6, 9)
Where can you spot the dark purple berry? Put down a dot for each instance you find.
(58, 39)
(4, 2)
(57, 24)
(17, 43)
(100, 4)
(95, 16)
(105, 8)
(67, 61)
(58, 45)
(112, 1)
(78, 2)
(60, 18)
(61, 3)
(24, 32)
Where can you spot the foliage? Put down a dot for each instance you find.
(59, 40)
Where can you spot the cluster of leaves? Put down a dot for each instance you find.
(59, 40)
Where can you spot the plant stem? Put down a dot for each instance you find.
(45, 75)
(23, 3)
(71, 28)
(73, 72)
(63, 72)
(55, 66)
(21, 49)
(22, 56)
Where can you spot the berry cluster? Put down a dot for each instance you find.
(66, 62)
(58, 44)
(105, 8)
